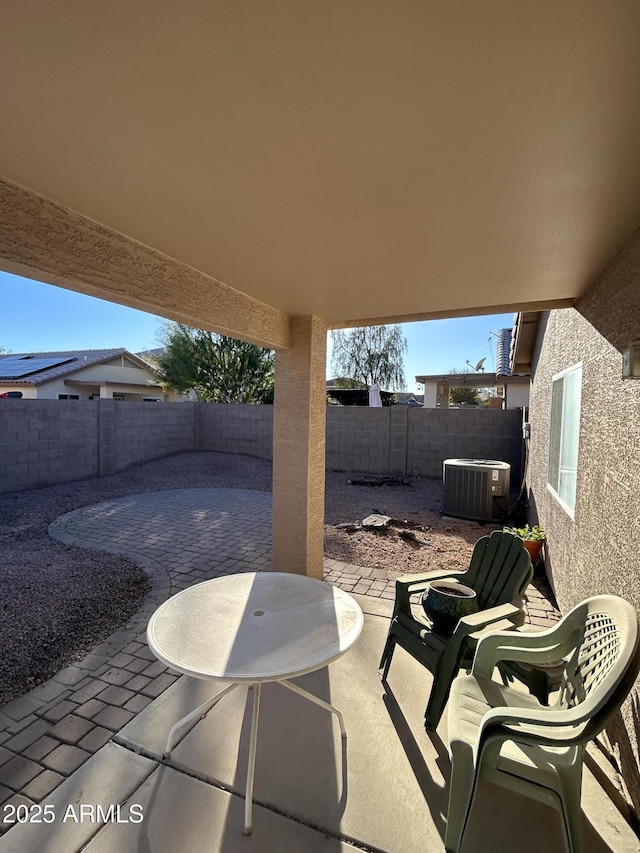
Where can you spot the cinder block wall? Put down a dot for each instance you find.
(43, 442)
(235, 428)
(434, 435)
(358, 439)
(146, 431)
(399, 439)
(51, 441)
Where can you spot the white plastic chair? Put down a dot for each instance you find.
(506, 736)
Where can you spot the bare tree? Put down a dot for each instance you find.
(371, 354)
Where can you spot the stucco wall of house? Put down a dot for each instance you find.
(127, 374)
(517, 396)
(607, 511)
(599, 550)
(28, 392)
(50, 390)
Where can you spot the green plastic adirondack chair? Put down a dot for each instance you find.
(506, 736)
(499, 572)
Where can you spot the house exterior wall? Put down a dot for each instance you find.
(516, 396)
(607, 511)
(28, 392)
(599, 550)
(127, 375)
(98, 373)
(50, 390)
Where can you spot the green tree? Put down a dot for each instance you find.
(464, 397)
(370, 354)
(217, 368)
(468, 396)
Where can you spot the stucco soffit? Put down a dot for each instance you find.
(43, 240)
(526, 334)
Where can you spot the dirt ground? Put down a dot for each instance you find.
(427, 541)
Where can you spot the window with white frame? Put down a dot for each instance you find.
(565, 431)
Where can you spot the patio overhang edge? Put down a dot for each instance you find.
(42, 240)
(453, 313)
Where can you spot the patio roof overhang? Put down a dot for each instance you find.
(360, 163)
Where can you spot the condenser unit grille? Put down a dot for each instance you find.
(471, 487)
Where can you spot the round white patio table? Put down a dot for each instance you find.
(250, 628)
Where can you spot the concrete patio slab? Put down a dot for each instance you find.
(107, 779)
(385, 790)
(184, 814)
(303, 769)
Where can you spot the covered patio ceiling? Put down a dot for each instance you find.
(361, 162)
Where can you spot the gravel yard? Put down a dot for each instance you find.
(57, 602)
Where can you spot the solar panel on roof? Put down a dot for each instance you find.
(16, 367)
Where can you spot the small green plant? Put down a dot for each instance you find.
(531, 534)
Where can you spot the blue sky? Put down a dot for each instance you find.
(41, 318)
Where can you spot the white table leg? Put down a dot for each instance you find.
(200, 711)
(317, 701)
(251, 769)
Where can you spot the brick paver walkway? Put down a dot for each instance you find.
(180, 537)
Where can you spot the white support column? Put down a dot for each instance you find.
(430, 395)
(299, 450)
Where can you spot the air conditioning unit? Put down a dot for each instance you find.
(471, 487)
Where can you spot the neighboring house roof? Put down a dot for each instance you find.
(152, 353)
(36, 368)
(407, 398)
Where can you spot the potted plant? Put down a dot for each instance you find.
(532, 537)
